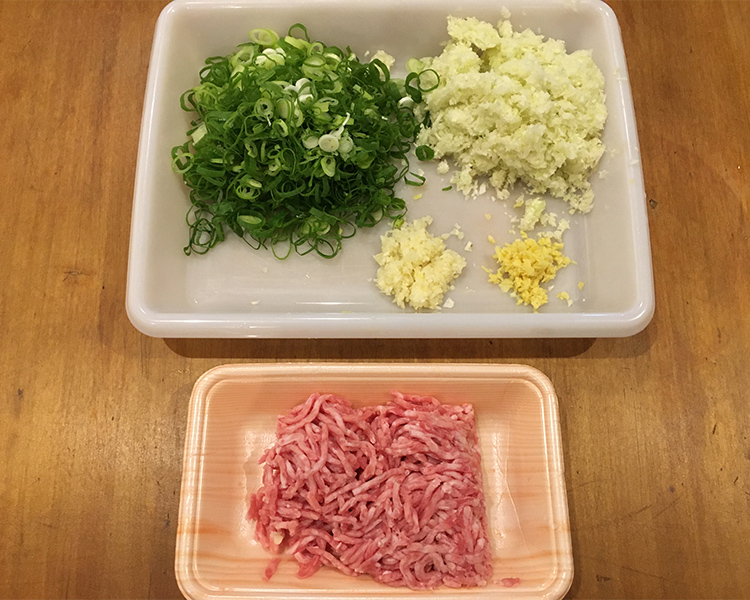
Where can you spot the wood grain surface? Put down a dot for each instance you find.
(93, 414)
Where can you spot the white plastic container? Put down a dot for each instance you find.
(232, 419)
(235, 291)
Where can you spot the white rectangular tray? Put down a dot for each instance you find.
(235, 291)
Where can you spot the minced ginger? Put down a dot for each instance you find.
(516, 107)
(525, 265)
(416, 268)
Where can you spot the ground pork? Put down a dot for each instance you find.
(393, 491)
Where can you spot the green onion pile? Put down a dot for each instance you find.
(295, 145)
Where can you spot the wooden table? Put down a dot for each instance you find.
(92, 413)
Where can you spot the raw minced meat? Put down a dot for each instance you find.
(391, 491)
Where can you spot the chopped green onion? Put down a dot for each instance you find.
(297, 43)
(417, 181)
(295, 144)
(328, 143)
(249, 221)
(424, 153)
(264, 108)
(310, 142)
(328, 164)
(284, 108)
(263, 37)
(346, 145)
(315, 61)
(428, 80)
(181, 161)
(280, 128)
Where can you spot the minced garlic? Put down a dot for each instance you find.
(525, 265)
(415, 267)
(516, 107)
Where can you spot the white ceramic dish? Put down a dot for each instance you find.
(234, 291)
(233, 412)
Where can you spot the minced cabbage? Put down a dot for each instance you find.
(516, 107)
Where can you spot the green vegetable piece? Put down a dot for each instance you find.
(263, 37)
(328, 164)
(328, 143)
(417, 181)
(294, 145)
(249, 221)
(424, 153)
